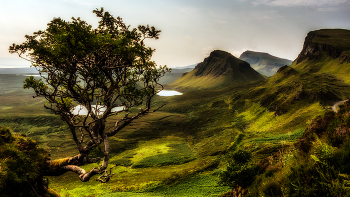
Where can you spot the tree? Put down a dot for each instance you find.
(108, 66)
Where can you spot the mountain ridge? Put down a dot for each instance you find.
(219, 69)
(334, 42)
(264, 63)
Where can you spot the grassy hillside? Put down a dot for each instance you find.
(189, 145)
(180, 150)
(174, 75)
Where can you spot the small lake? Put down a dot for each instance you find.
(81, 110)
(168, 93)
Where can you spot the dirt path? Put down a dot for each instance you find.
(334, 107)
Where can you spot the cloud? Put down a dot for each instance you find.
(287, 3)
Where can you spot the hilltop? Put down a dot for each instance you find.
(333, 42)
(325, 51)
(220, 69)
(319, 74)
(264, 63)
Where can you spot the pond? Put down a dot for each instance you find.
(168, 93)
(81, 110)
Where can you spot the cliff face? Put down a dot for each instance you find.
(333, 42)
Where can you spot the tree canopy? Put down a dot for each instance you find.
(100, 69)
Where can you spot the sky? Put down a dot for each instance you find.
(191, 29)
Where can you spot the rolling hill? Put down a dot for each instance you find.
(264, 63)
(220, 69)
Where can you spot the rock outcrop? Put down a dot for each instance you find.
(329, 41)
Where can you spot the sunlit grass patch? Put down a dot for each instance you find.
(264, 122)
(292, 136)
(178, 154)
(219, 143)
(131, 180)
(167, 151)
(198, 185)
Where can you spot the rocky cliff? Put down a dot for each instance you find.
(333, 42)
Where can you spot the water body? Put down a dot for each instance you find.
(81, 110)
(32, 75)
(168, 93)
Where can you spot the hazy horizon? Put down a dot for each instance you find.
(190, 29)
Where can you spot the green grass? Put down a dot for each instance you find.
(178, 154)
(197, 185)
(292, 136)
(190, 81)
(176, 150)
(339, 38)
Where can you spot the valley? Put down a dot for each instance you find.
(184, 149)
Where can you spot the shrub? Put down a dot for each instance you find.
(239, 171)
(21, 164)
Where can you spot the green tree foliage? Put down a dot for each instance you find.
(21, 163)
(109, 65)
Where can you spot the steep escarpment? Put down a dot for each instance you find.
(320, 74)
(325, 51)
(333, 42)
(264, 63)
(220, 69)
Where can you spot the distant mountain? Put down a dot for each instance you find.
(185, 67)
(220, 69)
(175, 74)
(264, 63)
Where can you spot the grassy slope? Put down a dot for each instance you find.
(326, 65)
(180, 146)
(198, 82)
